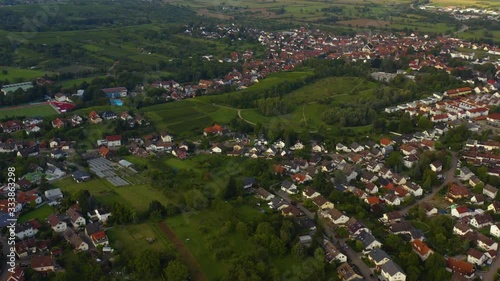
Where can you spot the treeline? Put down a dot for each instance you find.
(81, 15)
(37, 93)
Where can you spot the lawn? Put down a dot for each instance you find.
(28, 110)
(137, 197)
(132, 238)
(420, 225)
(15, 74)
(39, 214)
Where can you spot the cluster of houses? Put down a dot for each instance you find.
(472, 107)
(29, 125)
(82, 232)
(287, 49)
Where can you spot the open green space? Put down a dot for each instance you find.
(28, 111)
(39, 214)
(202, 236)
(137, 197)
(16, 75)
(133, 238)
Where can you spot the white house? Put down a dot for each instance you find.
(378, 257)
(332, 253)
(310, 193)
(25, 230)
(56, 223)
(495, 230)
(490, 191)
(342, 148)
(436, 166)
(476, 257)
(486, 243)
(392, 272)
(289, 187)
(53, 194)
(335, 216)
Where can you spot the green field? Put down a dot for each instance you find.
(132, 238)
(137, 197)
(16, 75)
(201, 230)
(190, 116)
(28, 111)
(39, 214)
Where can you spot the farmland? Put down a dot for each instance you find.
(28, 111)
(192, 115)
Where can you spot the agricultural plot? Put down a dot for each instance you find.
(28, 111)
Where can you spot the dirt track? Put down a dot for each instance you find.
(193, 265)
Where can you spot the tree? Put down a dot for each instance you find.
(231, 191)
(405, 124)
(299, 251)
(176, 271)
(147, 264)
(395, 161)
(424, 123)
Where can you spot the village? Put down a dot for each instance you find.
(364, 169)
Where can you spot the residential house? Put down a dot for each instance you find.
(60, 97)
(461, 229)
(379, 257)
(462, 267)
(392, 272)
(322, 203)
(391, 217)
(335, 216)
(495, 230)
(481, 220)
(392, 200)
(494, 207)
(369, 241)
(75, 240)
(58, 123)
(291, 211)
(477, 199)
(99, 239)
(166, 137)
(457, 192)
(76, 219)
(100, 214)
(109, 115)
(371, 188)
(249, 182)
(56, 223)
(460, 212)
(422, 250)
(264, 194)
(94, 118)
(17, 274)
(342, 148)
(436, 166)
(490, 191)
(80, 176)
(476, 257)
(465, 173)
(332, 254)
(25, 247)
(42, 263)
(310, 193)
(53, 194)
(486, 243)
(289, 187)
(346, 273)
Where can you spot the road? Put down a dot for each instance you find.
(355, 258)
(449, 178)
